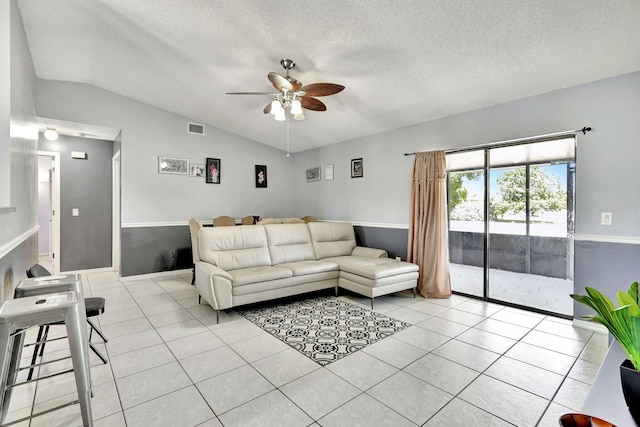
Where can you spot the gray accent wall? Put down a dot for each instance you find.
(19, 162)
(153, 249)
(392, 240)
(609, 267)
(85, 184)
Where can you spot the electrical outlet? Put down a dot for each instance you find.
(606, 218)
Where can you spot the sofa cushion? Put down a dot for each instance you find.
(289, 243)
(233, 248)
(332, 239)
(373, 268)
(303, 268)
(245, 276)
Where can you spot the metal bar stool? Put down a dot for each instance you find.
(94, 306)
(17, 315)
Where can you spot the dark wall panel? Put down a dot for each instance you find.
(609, 267)
(85, 184)
(151, 249)
(392, 240)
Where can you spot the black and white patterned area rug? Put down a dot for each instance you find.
(325, 329)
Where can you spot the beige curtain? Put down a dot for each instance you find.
(428, 239)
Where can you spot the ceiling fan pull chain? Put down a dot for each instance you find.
(287, 136)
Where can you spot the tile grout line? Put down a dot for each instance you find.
(361, 392)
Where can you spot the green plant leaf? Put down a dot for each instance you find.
(625, 298)
(622, 322)
(601, 300)
(633, 292)
(634, 354)
(600, 303)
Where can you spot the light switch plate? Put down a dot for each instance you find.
(75, 212)
(606, 218)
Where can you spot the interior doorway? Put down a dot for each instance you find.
(49, 210)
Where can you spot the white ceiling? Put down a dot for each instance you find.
(402, 62)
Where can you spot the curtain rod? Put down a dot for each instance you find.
(508, 142)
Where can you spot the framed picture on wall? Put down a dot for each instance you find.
(261, 176)
(171, 165)
(196, 170)
(213, 171)
(328, 172)
(357, 168)
(313, 174)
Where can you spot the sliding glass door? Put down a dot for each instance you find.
(511, 224)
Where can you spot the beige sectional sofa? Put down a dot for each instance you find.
(251, 263)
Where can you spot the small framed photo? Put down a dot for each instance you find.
(261, 176)
(213, 171)
(328, 172)
(313, 174)
(171, 165)
(196, 170)
(357, 168)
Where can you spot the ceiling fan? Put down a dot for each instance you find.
(292, 95)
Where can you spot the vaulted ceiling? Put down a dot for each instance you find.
(402, 62)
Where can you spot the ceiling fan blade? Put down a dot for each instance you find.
(249, 93)
(295, 83)
(279, 82)
(312, 104)
(322, 89)
(267, 109)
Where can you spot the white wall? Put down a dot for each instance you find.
(606, 166)
(18, 145)
(5, 101)
(44, 203)
(149, 132)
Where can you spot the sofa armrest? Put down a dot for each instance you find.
(369, 252)
(214, 285)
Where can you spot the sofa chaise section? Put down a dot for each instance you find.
(366, 271)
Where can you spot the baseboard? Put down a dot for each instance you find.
(154, 275)
(591, 326)
(89, 270)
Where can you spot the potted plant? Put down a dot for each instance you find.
(623, 323)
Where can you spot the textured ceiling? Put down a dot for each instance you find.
(402, 62)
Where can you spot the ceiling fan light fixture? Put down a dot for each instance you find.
(296, 107)
(276, 107)
(298, 116)
(51, 134)
(280, 115)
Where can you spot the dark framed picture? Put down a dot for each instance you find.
(357, 168)
(213, 171)
(261, 176)
(313, 174)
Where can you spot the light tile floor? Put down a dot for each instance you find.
(463, 362)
